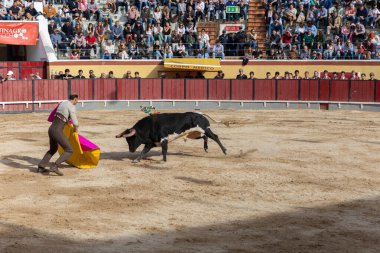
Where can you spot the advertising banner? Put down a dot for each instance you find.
(18, 33)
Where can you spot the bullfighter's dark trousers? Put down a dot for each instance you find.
(56, 137)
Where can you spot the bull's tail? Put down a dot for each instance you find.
(226, 123)
(212, 119)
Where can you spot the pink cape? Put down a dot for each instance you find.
(85, 144)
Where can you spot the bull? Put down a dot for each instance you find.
(159, 129)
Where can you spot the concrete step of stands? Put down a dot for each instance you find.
(258, 16)
(258, 4)
(255, 16)
(261, 37)
(211, 30)
(256, 11)
(253, 9)
(257, 28)
(256, 21)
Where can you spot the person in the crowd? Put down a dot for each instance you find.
(220, 75)
(80, 75)
(241, 74)
(91, 74)
(218, 50)
(9, 77)
(4, 12)
(297, 74)
(35, 76)
(66, 75)
(128, 75)
(252, 75)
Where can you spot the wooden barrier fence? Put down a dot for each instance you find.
(35, 91)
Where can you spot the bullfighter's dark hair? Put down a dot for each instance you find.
(73, 96)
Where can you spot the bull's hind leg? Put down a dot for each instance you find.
(215, 137)
(143, 153)
(205, 146)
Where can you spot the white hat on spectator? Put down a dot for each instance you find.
(10, 73)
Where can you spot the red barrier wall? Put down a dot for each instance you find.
(50, 90)
(28, 68)
(377, 93)
(22, 70)
(265, 89)
(6, 66)
(173, 89)
(196, 89)
(242, 90)
(105, 89)
(16, 91)
(219, 89)
(324, 90)
(362, 91)
(83, 87)
(339, 90)
(309, 90)
(191, 89)
(150, 88)
(128, 89)
(287, 89)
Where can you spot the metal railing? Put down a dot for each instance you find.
(148, 52)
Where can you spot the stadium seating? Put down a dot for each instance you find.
(158, 29)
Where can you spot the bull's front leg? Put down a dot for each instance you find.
(146, 149)
(164, 146)
(205, 146)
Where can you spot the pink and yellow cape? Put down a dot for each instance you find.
(86, 154)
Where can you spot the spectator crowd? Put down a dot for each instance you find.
(159, 29)
(129, 29)
(322, 29)
(325, 75)
(66, 75)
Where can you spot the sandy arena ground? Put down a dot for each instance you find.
(293, 181)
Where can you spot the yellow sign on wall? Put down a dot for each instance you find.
(193, 64)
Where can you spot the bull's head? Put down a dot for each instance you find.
(132, 139)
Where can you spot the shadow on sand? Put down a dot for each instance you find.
(24, 162)
(344, 227)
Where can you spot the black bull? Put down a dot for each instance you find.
(156, 130)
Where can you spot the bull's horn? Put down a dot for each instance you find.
(127, 133)
(130, 134)
(120, 135)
